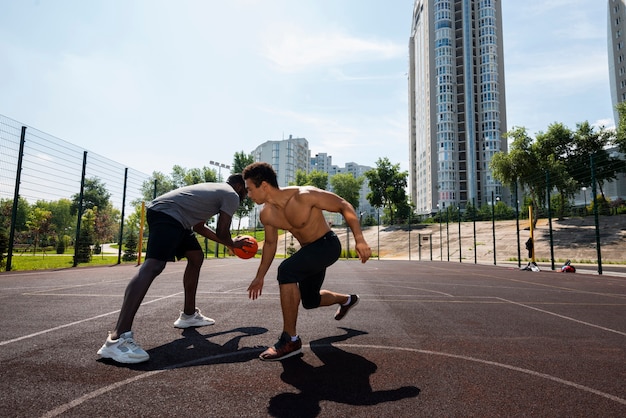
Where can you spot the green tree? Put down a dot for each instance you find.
(97, 199)
(40, 226)
(130, 245)
(348, 187)
(86, 237)
(6, 209)
(62, 218)
(315, 178)
(105, 225)
(520, 164)
(94, 194)
(588, 142)
(302, 178)
(387, 184)
(319, 179)
(156, 185)
(178, 176)
(552, 148)
(160, 183)
(4, 244)
(181, 176)
(240, 161)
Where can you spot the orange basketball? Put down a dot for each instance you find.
(247, 251)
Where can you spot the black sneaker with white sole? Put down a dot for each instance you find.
(343, 310)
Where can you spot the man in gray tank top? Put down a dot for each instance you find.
(173, 219)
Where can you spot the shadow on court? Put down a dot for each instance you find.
(196, 349)
(343, 378)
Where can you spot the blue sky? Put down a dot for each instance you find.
(151, 83)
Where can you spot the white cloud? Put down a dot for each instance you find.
(297, 50)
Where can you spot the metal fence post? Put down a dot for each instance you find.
(550, 220)
(595, 212)
(493, 225)
(460, 256)
(80, 210)
(519, 252)
(474, 224)
(16, 197)
(121, 237)
(409, 236)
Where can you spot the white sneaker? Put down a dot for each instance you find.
(123, 350)
(195, 320)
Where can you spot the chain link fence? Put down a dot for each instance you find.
(38, 170)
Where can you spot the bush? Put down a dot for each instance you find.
(83, 247)
(60, 248)
(130, 247)
(4, 244)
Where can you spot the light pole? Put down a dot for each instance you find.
(585, 197)
(219, 168)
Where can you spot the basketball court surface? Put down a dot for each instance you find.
(427, 339)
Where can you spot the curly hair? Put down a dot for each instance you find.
(260, 172)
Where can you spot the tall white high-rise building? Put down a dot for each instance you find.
(616, 37)
(286, 157)
(457, 109)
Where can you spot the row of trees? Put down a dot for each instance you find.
(52, 223)
(559, 159)
(386, 182)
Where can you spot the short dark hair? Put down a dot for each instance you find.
(260, 172)
(236, 179)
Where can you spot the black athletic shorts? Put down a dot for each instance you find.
(168, 240)
(307, 267)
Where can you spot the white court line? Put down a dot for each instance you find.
(65, 407)
(497, 364)
(564, 317)
(414, 288)
(45, 331)
(568, 289)
(91, 395)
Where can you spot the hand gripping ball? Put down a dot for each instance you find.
(247, 251)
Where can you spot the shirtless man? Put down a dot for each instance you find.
(300, 277)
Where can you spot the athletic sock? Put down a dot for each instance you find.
(294, 338)
(348, 302)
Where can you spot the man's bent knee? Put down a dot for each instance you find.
(152, 267)
(311, 303)
(195, 258)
